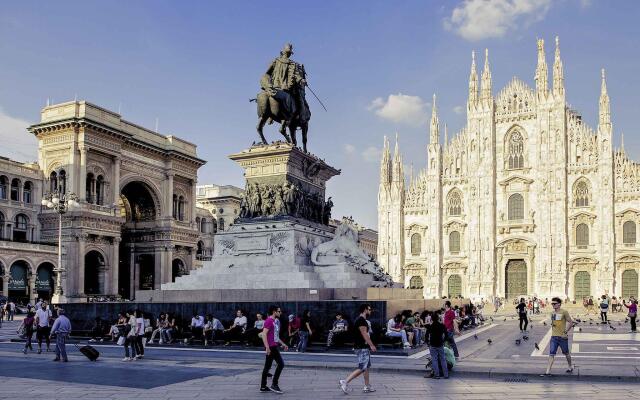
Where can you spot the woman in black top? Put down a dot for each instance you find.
(522, 314)
(305, 331)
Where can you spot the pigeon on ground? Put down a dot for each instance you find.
(505, 319)
(544, 323)
(590, 323)
(612, 327)
(626, 320)
(517, 342)
(619, 323)
(475, 336)
(536, 346)
(491, 318)
(579, 329)
(525, 337)
(489, 341)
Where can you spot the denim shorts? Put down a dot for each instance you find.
(558, 341)
(364, 359)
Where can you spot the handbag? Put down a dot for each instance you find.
(121, 340)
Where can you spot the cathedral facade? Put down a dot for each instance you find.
(526, 199)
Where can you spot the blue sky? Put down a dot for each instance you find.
(194, 66)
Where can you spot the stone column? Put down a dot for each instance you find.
(116, 181)
(5, 284)
(158, 276)
(115, 267)
(81, 266)
(194, 194)
(32, 288)
(168, 200)
(9, 231)
(168, 267)
(133, 266)
(82, 192)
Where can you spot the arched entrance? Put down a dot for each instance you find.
(94, 266)
(139, 206)
(582, 285)
(416, 282)
(44, 281)
(515, 279)
(19, 282)
(454, 286)
(630, 283)
(177, 269)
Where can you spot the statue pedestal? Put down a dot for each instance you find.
(283, 219)
(282, 180)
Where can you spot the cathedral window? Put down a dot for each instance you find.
(62, 181)
(175, 207)
(454, 242)
(629, 233)
(181, 204)
(582, 236)
(516, 151)
(415, 244)
(582, 194)
(221, 224)
(100, 190)
(53, 180)
(455, 204)
(416, 282)
(516, 207)
(89, 188)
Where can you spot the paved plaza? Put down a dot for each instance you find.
(606, 359)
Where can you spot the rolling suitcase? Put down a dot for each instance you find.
(89, 351)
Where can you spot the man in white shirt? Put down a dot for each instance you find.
(197, 326)
(237, 329)
(43, 316)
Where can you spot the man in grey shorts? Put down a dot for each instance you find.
(363, 347)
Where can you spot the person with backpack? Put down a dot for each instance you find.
(604, 307)
(26, 328)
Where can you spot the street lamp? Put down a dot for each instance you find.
(61, 202)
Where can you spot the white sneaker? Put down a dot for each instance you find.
(92, 340)
(343, 386)
(407, 346)
(126, 359)
(368, 389)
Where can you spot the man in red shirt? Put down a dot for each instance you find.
(449, 316)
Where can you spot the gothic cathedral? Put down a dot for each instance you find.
(525, 200)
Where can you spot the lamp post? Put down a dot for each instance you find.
(61, 202)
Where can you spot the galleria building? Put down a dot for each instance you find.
(141, 219)
(525, 200)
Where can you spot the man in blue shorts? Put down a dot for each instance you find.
(363, 347)
(561, 323)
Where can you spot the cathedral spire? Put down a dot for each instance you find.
(541, 71)
(398, 170)
(385, 164)
(446, 135)
(604, 120)
(558, 72)
(486, 78)
(434, 127)
(473, 82)
(622, 142)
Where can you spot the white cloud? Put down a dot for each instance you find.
(349, 148)
(372, 154)
(458, 109)
(481, 19)
(17, 143)
(402, 108)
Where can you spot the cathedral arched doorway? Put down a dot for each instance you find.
(630, 284)
(454, 286)
(416, 282)
(44, 280)
(515, 279)
(140, 208)
(582, 285)
(94, 266)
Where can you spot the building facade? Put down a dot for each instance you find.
(137, 223)
(526, 199)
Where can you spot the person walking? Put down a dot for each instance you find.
(43, 316)
(305, 331)
(271, 340)
(61, 328)
(130, 337)
(561, 323)
(522, 314)
(27, 328)
(449, 317)
(604, 307)
(363, 347)
(12, 311)
(633, 312)
(139, 335)
(437, 336)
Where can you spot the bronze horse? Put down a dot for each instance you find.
(281, 106)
